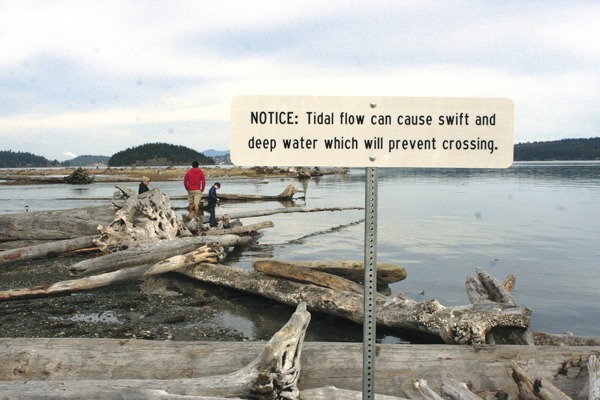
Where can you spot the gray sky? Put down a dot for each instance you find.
(97, 77)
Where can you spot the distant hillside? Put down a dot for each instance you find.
(215, 153)
(565, 149)
(220, 157)
(86, 160)
(11, 159)
(158, 154)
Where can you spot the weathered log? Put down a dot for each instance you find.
(594, 375)
(458, 390)
(262, 213)
(459, 325)
(72, 223)
(156, 221)
(153, 252)
(287, 194)
(207, 253)
(418, 389)
(55, 225)
(484, 368)
(353, 270)
(45, 249)
(539, 388)
(237, 230)
(333, 393)
(487, 290)
(296, 273)
(271, 375)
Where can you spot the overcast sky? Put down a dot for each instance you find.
(97, 77)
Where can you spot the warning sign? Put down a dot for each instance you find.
(335, 131)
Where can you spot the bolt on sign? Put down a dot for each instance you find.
(338, 131)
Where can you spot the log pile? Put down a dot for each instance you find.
(287, 368)
(145, 231)
(145, 238)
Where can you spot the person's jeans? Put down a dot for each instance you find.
(212, 221)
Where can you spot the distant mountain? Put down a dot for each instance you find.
(87, 160)
(158, 154)
(215, 153)
(564, 150)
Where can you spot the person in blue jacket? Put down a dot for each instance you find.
(213, 201)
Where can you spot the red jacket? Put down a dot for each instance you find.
(194, 180)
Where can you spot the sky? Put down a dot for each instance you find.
(97, 77)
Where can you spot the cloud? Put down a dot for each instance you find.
(71, 69)
(69, 155)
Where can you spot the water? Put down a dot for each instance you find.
(538, 221)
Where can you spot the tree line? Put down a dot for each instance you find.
(146, 154)
(563, 150)
(158, 154)
(168, 154)
(18, 159)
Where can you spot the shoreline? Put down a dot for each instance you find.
(118, 174)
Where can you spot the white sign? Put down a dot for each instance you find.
(332, 131)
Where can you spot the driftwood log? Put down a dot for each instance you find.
(352, 270)
(262, 213)
(45, 249)
(458, 325)
(153, 252)
(55, 225)
(287, 194)
(324, 365)
(73, 223)
(594, 377)
(539, 388)
(207, 253)
(273, 374)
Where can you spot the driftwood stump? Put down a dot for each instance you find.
(156, 221)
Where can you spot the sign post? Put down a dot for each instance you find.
(370, 284)
(371, 132)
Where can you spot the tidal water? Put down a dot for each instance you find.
(538, 221)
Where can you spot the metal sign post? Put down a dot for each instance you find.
(370, 284)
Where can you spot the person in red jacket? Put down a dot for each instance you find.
(194, 182)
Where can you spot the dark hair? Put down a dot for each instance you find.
(217, 184)
(195, 164)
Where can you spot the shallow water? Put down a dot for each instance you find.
(539, 221)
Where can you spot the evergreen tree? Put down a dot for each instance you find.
(158, 154)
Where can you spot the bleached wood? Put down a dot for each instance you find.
(458, 390)
(333, 393)
(287, 194)
(45, 249)
(301, 274)
(458, 325)
(594, 377)
(54, 225)
(206, 253)
(151, 252)
(418, 389)
(273, 374)
(485, 368)
(353, 270)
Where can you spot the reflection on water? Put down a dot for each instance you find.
(539, 221)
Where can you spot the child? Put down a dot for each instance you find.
(213, 200)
